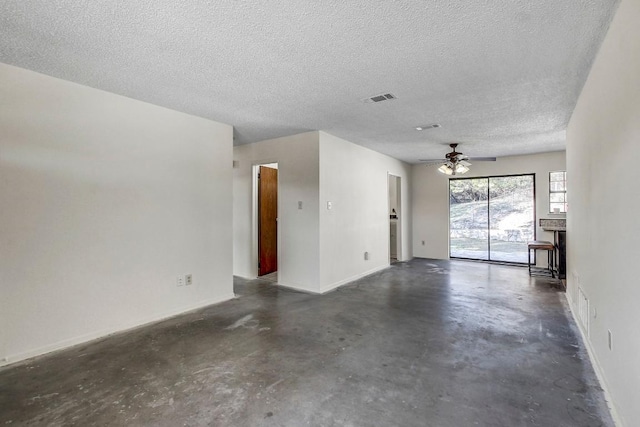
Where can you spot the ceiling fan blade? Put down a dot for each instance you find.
(432, 160)
(481, 159)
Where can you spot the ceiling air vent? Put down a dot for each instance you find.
(380, 98)
(425, 127)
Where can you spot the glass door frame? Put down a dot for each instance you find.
(488, 178)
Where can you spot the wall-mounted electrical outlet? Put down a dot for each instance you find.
(188, 280)
(423, 243)
(329, 205)
(610, 339)
(300, 205)
(366, 256)
(180, 281)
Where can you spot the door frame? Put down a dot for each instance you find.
(399, 252)
(255, 217)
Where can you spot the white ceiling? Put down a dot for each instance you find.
(501, 76)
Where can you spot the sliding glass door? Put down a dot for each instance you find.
(492, 218)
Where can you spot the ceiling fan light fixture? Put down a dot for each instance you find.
(446, 169)
(461, 169)
(450, 168)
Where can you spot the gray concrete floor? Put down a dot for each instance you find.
(423, 343)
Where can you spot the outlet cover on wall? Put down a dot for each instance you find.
(180, 281)
(188, 280)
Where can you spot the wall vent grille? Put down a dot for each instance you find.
(583, 310)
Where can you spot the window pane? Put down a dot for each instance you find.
(511, 216)
(468, 223)
(557, 191)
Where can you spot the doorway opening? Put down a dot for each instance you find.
(395, 218)
(492, 218)
(266, 208)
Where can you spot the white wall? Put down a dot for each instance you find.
(319, 249)
(603, 146)
(105, 200)
(431, 197)
(298, 180)
(355, 180)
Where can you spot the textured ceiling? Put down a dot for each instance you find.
(501, 77)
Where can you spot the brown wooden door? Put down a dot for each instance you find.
(267, 220)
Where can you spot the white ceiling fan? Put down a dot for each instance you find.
(456, 163)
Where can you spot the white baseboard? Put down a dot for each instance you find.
(596, 366)
(334, 285)
(297, 288)
(81, 339)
